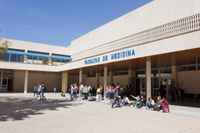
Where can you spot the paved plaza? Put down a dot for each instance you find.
(21, 113)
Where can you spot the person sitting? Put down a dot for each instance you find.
(62, 94)
(150, 103)
(125, 101)
(156, 108)
(164, 106)
(90, 98)
(141, 102)
(137, 102)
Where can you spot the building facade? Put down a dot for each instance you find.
(158, 42)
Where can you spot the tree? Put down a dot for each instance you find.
(3, 47)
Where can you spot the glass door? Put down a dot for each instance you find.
(4, 84)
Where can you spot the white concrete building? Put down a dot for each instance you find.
(155, 43)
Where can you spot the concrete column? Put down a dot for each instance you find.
(26, 82)
(105, 79)
(64, 81)
(80, 78)
(148, 77)
(174, 69)
(97, 76)
(111, 75)
(80, 75)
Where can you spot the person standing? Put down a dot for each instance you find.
(162, 90)
(35, 90)
(81, 89)
(172, 90)
(85, 92)
(108, 89)
(116, 97)
(75, 90)
(43, 90)
(72, 91)
(39, 91)
(89, 89)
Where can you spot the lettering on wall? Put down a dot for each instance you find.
(94, 60)
(122, 54)
(117, 55)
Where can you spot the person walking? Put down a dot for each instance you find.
(35, 90)
(80, 89)
(39, 91)
(72, 92)
(43, 90)
(116, 97)
(75, 90)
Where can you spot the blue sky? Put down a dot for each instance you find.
(58, 22)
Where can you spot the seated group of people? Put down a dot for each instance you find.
(161, 104)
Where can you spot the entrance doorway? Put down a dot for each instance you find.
(4, 84)
(141, 86)
(166, 81)
(138, 86)
(6, 81)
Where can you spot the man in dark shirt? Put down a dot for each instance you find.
(116, 97)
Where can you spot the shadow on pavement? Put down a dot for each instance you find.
(18, 108)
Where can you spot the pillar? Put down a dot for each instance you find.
(111, 75)
(105, 79)
(26, 82)
(97, 76)
(80, 77)
(148, 77)
(64, 81)
(174, 69)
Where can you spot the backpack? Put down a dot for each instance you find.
(165, 110)
(45, 88)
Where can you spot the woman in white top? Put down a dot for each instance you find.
(72, 92)
(39, 90)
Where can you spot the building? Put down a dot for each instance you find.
(158, 42)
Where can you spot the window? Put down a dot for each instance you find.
(91, 74)
(37, 60)
(13, 58)
(59, 61)
(120, 71)
(141, 73)
(5, 57)
(102, 74)
(188, 64)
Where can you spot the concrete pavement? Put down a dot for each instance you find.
(21, 113)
